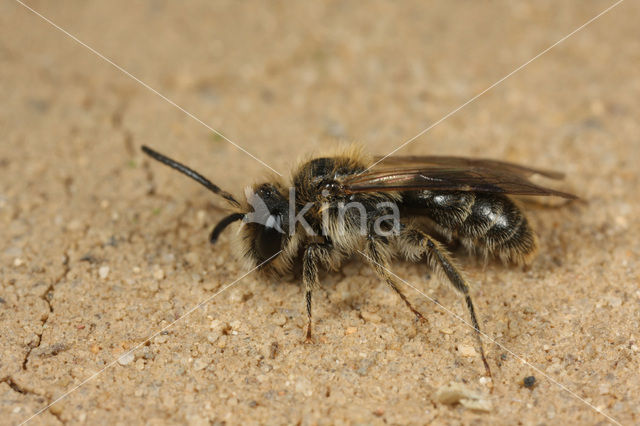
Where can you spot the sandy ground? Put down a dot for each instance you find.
(101, 248)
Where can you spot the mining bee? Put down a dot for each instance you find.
(407, 206)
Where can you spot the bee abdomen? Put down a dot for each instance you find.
(499, 228)
(487, 223)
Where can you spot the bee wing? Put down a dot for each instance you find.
(480, 176)
(461, 162)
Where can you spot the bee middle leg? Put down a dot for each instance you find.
(314, 254)
(380, 263)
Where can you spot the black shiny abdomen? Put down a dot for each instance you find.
(490, 223)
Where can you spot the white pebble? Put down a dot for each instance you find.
(467, 351)
(160, 339)
(103, 272)
(304, 386)
(140, 364)
(457, 393)
(126, 358)
(200, 364)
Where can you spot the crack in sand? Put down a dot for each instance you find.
(24, 391)
(16, 387)
(47, 296)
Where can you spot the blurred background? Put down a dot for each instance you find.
(282, 79)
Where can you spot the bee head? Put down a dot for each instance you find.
(266, 221)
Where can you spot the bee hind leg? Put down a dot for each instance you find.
(415, 243)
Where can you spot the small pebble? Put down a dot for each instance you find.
(370, 317)
(218, 328)
(192, 258)
(238, 295)
(103, 272)
(158, 274)
(457, 393)
(468, 351)
(139, 364)
(279, 319)
(160, 338)
(217, 324)
(200, 364)
(126, 359)
(18, 262)
(529, 382)
(350, 330)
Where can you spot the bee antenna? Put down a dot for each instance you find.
(221, 226)
(191, 173)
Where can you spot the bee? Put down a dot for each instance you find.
(347, 204)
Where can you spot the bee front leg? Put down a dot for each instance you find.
(314, 254)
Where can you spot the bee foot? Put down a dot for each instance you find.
(308, 338)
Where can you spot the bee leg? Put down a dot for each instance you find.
(313, 255)
(416, 242)
(381, 265)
